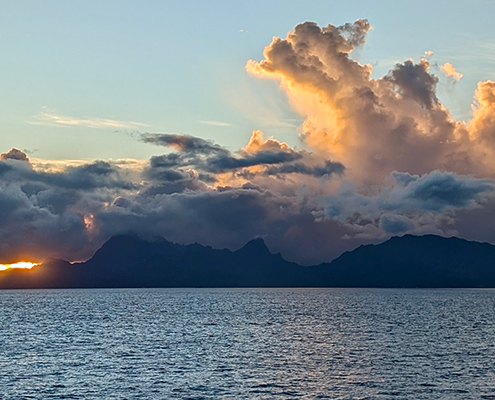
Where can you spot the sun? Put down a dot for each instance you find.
(20, 264)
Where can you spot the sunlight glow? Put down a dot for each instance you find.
(89, 221)
(21, 264)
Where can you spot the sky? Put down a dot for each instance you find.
(316, 125)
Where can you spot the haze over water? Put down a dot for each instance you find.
(247, 344)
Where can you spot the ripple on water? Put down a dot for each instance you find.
(247, 343)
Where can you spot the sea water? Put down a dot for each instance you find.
(247, 344)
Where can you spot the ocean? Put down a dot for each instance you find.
(247, 344)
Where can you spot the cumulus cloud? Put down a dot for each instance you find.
(372, 126)
(257, 142)
(14, 154)
(482, 126)
(413, 81)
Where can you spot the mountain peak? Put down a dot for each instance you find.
(256, 245)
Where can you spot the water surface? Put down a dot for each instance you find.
(247, 344)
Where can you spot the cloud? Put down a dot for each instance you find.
(409, 203)
(437, 190)
(450, 72)
(50, 118)
(70, 212)
(216, 123)
(183, 143)
(413, 81)
(257, 142)
(318, 171)
(94, 175)
(14, 154)
(45, 213)
(395, 224)
(205, 156)
(372, 126)
(482, 126)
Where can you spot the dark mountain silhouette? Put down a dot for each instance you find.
(127, 261)
(416, 261)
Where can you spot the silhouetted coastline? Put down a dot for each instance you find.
(405, 262)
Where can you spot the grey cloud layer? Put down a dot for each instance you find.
(68, 213)
(210, 158)
(43, 213)
(411, 203)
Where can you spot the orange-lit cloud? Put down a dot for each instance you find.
(257, 142)
(482, 127)
(450, 72)
(373, 126)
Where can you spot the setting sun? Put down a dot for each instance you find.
(21, 264)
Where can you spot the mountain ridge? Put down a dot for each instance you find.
(130, 261)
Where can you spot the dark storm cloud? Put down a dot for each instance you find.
(57, 201)
(436, 192)
(186, 214)
(71, 212)
(229, 217)
(162, 180)
(164, 174)
(39, 225)
(91, 176)
(168, 161)
(4, 168)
